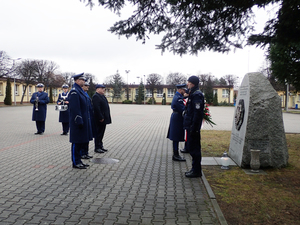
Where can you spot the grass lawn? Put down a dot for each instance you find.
(254, 199)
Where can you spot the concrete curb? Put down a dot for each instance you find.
(214, 202)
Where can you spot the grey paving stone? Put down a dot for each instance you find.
(144, 187)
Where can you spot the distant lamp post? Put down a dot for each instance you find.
(144, 88)
(225, 161)
(15, 103)
(127, 71)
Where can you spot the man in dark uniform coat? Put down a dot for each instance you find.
(39, 100)
(85, 152)
(64, 115)
(192, 123)
(101, 116)
(80, 123)
(176, 131)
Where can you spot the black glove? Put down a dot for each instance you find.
(80, 126)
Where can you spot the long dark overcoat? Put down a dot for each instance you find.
(194, 114)
(39, 115)
(176, 131)
(63, 115)
(80, 121)
(101, 108)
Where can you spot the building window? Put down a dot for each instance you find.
(298, 97)
(54, 92)
(1, 88)
(29, 90)
(136, 92)
(224, 93)
(17, 89)
(159, 93)
(215, 91)
(170, 92)
(107, 94)
(24, 87)
(148, 93)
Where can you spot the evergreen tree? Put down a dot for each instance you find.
(140, 95)
(164, 101)
(51, 95)
(215, 101)
(7, 100)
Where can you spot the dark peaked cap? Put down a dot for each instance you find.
(77, 76)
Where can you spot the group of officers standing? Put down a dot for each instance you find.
(188, 110)
(86, 118)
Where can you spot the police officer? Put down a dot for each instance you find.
(85, 152)
(192, 123)
(39, 100)
(176, 131)
(64, 115)
(80, 123)
(101, 115)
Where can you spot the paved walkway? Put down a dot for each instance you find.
(39, 186)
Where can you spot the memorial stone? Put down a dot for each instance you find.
(258, 124)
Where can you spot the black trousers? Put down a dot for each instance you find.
(65, 127)
(99, 135)
(75, 152)
(194, 147)
(40, 126)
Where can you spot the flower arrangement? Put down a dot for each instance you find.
(207, 116)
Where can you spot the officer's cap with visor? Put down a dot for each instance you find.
(40, 85)
(79, 76)
(100, 86)
(65, 86)
(86, 84)
(194, 80)
(180, 86)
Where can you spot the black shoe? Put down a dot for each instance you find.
(192, 174)
(86, 165)
(103, 149)
(184, 151)
(178, 158)
(98, 150)
(38, 133)
(64, 133)
(89, 156)
(84, 157)
(79, 166)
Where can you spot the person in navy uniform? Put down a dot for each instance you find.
(39, 100)
(176, 131)
(85, 152)
(101, 116)
(80, 121)
(64, 115)
(192, 123)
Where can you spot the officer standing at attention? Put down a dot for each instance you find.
(80, 123)
(39, 100)
(101, 115)
(85, 152)
(192, 123)
(176, 131)
(64, 115)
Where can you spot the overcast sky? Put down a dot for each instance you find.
(76, 38)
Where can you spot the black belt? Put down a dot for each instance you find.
(175, 112)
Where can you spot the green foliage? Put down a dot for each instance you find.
(208, 90)
(285, 64)
(225, 104)
(151, 101)
(215, 100)
(140, 95)
(7, 99)
(164, 101)
(127, 102)
(116, 82)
